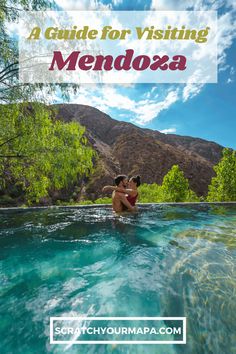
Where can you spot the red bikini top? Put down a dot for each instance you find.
(132, 200)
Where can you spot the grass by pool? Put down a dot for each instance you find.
(163, 261)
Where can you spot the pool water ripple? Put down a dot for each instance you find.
(163, 261)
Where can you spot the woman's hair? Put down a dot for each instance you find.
(136, 179)
(119, 178)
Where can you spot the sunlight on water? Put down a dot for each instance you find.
(162, 261)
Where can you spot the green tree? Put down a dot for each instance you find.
(192, 197)
(175, 187)
(104, 200)
(150, 193)
(39, 153)
(223, 185)
(10, 88)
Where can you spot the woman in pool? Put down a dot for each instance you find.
(131, 191)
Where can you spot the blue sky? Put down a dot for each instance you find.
(200, 110)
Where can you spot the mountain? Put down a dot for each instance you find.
(125, 148)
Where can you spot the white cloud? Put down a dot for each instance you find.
(191, 90)
(225, 34)
(103, 97)
(231, 3)
(153, 89)
(147, 111)
(231, 75)
(117, 2)
(114, 99)
(197, 5)
(226, 22)
(147, 107)
(72, 5)
(107, 98)
(168, 131)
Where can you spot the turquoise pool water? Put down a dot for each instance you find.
(163, 261)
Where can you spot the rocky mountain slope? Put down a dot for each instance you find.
(125, 148)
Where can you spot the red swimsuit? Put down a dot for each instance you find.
(132, 200)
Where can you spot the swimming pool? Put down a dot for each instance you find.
(163, 261)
